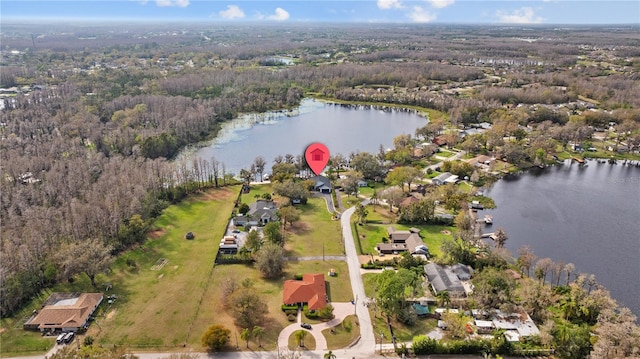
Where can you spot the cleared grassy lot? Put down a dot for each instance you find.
(158, 307)
(314, 230)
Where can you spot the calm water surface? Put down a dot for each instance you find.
(342, 129)
(589, 216)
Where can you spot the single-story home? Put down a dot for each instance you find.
(482, 161)
(66, 312)
(407, 201)
(260, 212)
(444, 178)
(311, 290)
(321, 184)
(401, 241)
(516, 325)
(439, 141)
(445, 278)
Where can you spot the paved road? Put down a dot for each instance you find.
(367, 342)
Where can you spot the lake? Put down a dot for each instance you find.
(589, 215)
(343, 129)
(586, 215)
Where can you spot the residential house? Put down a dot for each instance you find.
(444, 178)
(407, 201)
(260, 212)
(321, 184)
(402, 241)
(311, 290)
(439, 141)
(66, 312)
(448, 278)
(482, 162)
(516, 325)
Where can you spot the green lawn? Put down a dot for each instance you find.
(375, 229)
(313, 231)
(445, 153)
(342, 335)
(309, 343)
(16, 341)
(464, 186)
(256, 191)
(159, 308)
(373, 186)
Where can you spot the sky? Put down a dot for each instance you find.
(339, 11)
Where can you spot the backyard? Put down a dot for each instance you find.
(401, 331)
(375, 229)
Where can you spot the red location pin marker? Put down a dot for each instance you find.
(317, 156)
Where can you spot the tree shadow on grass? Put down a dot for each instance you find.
(299, 228)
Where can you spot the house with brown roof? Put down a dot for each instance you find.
(67, 312)
(311, 290)
(401, 241)
(408, 201)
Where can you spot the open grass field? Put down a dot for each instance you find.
(159, 308)
(314, 230)
(342, 335)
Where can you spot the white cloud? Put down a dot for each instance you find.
(418, 14)
(179, 3)
(280, 15)
(439, 4)
(389, 4)
(232, 12)
(523, 15)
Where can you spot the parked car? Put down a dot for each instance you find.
(306, 326)
(236, 231)
(60, 338)
(68, 338)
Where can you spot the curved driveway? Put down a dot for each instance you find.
(340, 311)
